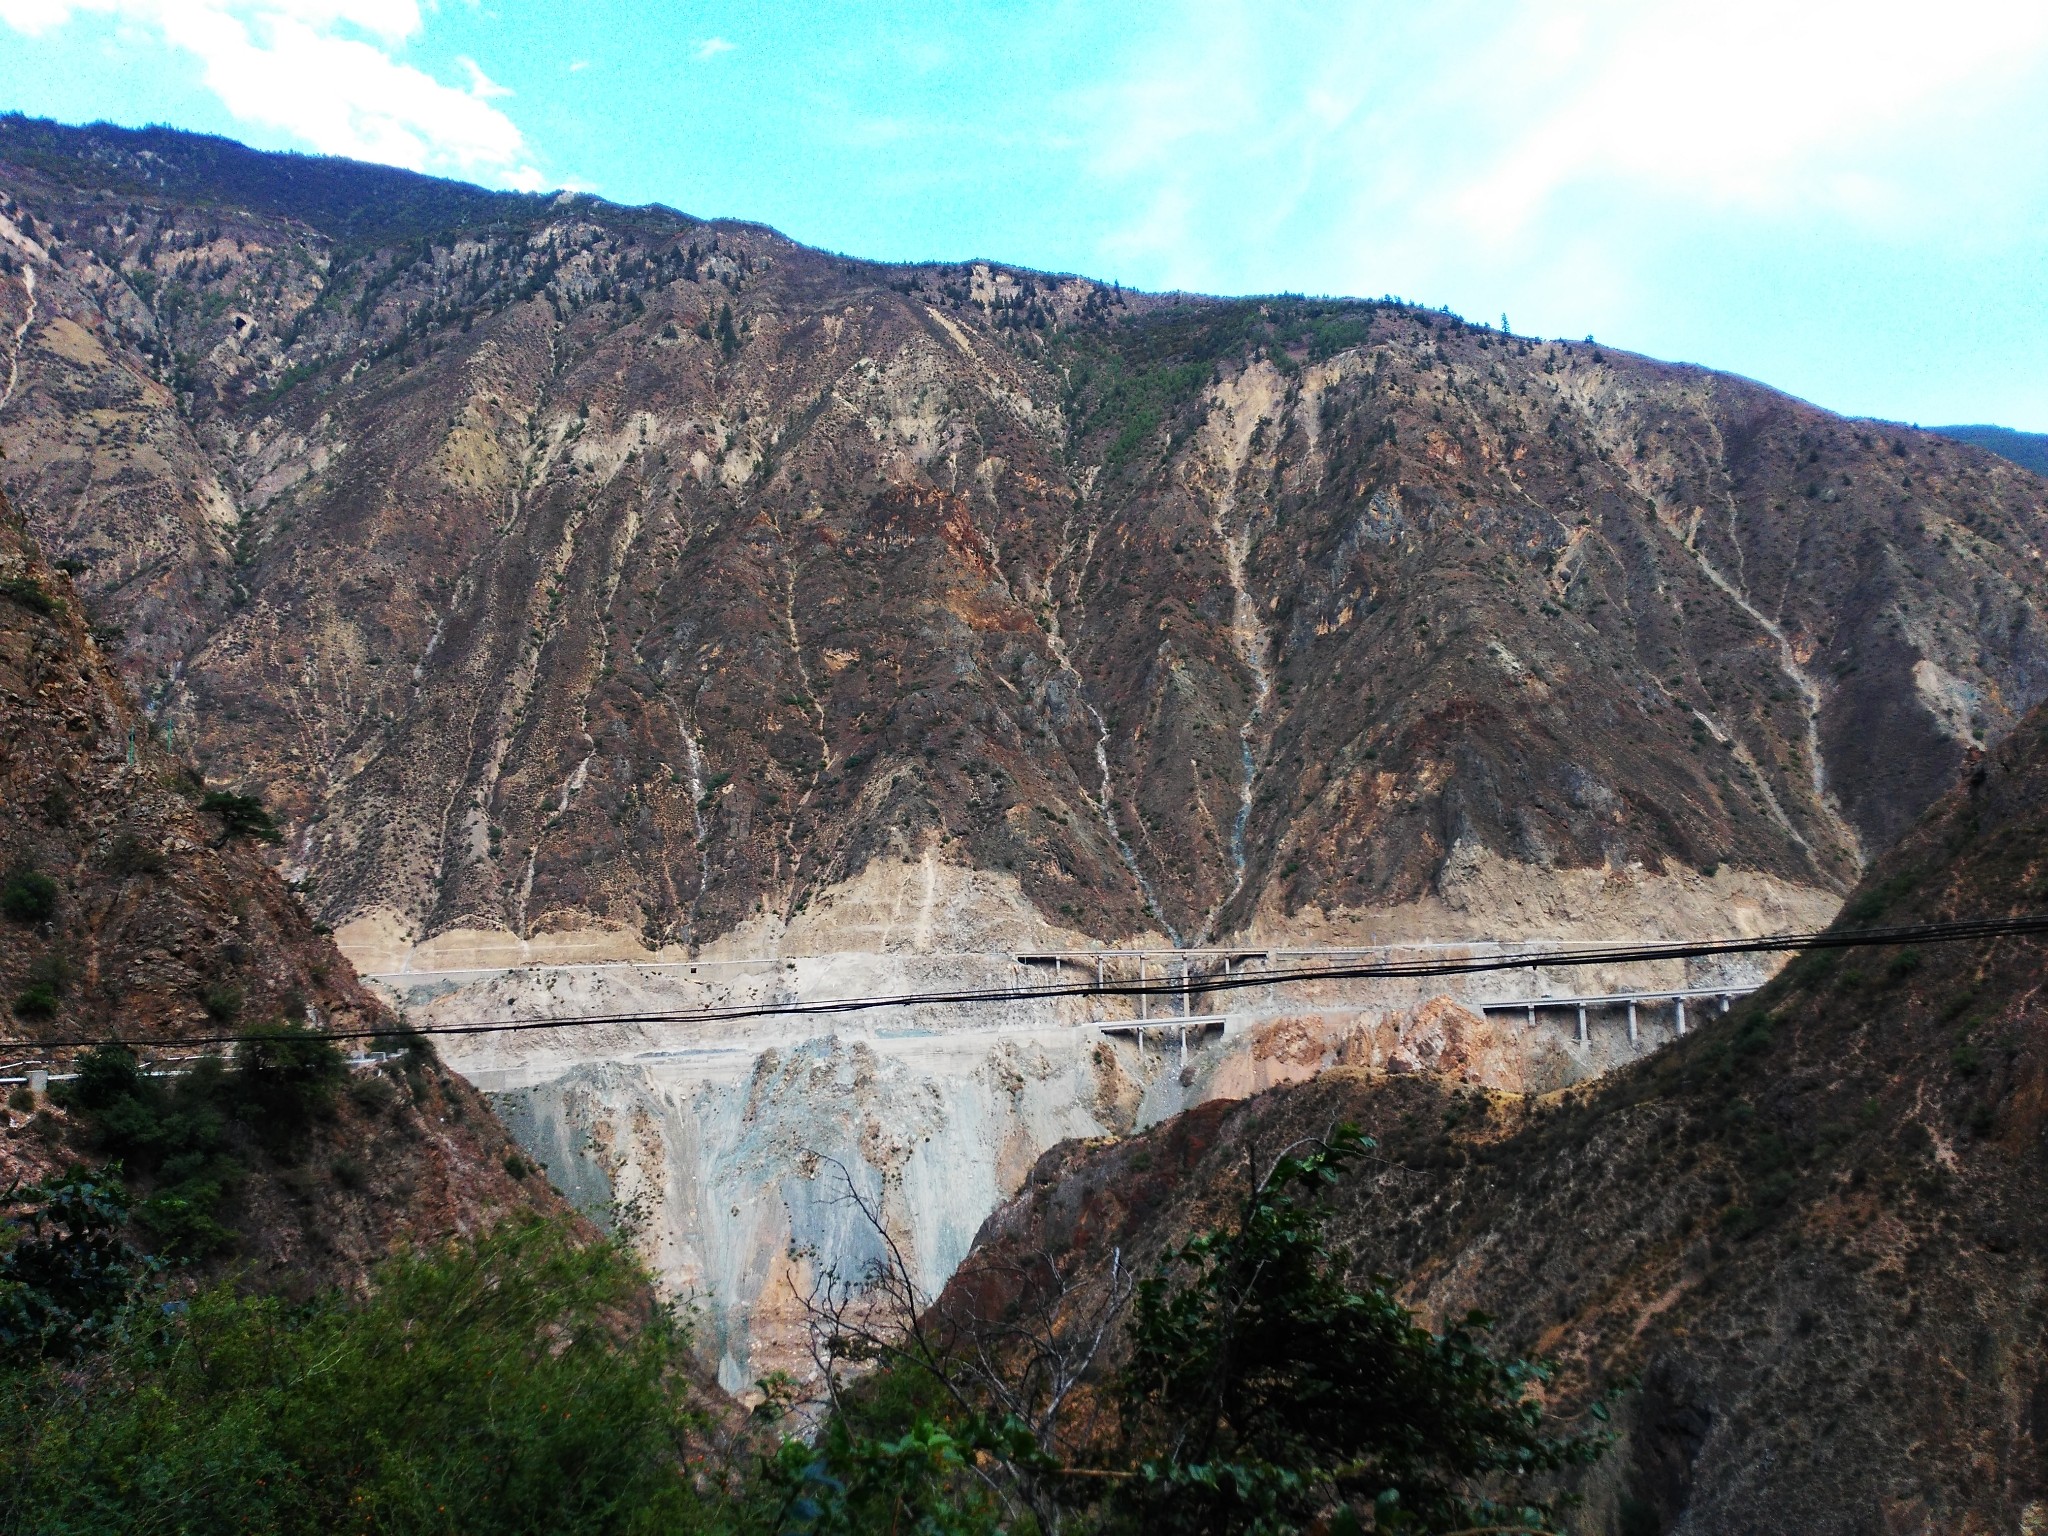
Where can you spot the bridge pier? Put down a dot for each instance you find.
(1681, 1013)
(1633, 1037)
(1582, 1023)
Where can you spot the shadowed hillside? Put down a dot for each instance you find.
(1806, 1243)
(136, 906)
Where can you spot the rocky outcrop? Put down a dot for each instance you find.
(566, 570)
(1804, 1245)
(734, 1171)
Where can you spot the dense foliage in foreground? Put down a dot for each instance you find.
(518, 1384)
(525, 1383)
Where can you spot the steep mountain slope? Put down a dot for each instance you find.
(131, 911)
(556, 566)
(1807, 1243)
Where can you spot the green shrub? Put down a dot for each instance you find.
(241, 816)
(372, 1093)
(188, 1140)
(1262, 1388)
(1880, 898)
(1754, 1038)
(65, 1274)
(480, 1389)
(1262, 1391)
(131, 854)
(30, 593)
(38, 1000)
(285, 1078)
(28, 896)
(852, 1484)
(169, 1133)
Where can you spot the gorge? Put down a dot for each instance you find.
(598, 593)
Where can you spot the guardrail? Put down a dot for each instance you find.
(39, 1078)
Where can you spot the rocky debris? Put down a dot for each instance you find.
(556, 568)
(134, 911)
(731, 1171)
(1804, 1245)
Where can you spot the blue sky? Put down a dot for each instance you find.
(1847, 200)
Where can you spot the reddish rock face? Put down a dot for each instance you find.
(546, 563)
(150, 924)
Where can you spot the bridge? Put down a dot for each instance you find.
(1677, 997)
(1181, 1026)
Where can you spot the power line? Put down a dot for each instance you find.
(1962, 931)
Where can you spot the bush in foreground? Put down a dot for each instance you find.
(515, 1385)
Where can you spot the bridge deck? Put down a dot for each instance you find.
(1678, 997)
(1616, 999)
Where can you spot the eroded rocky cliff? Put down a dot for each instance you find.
(556, 567)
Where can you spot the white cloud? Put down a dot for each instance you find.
(712, 47)
(481, 85)
(325, 72)
(1754, 103)
(34, 17)
(1368, 145)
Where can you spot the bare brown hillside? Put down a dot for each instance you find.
(550, 564)
(133, 913)
(1808, 1243)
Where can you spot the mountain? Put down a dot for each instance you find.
(1803, 1244)
(135, 907)
(2029, 450)
(570, 576)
